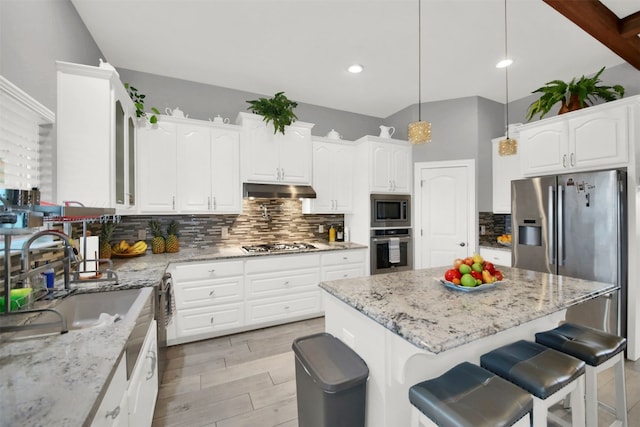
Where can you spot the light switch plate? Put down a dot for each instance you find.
(224, 232)
(321, 228)
(142, 234)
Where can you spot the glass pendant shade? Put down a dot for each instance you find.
(508, 147)
(419, 132)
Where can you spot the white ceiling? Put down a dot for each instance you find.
(303, 47)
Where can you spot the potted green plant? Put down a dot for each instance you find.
(573, 95)
(278, 110)
(138, 101)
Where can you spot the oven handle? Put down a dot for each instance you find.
(386, 239)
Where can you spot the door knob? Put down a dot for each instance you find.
(463, 244)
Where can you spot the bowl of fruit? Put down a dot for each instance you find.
(504, 240)
(472, 274)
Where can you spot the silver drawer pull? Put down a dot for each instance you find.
(113, 414)
(286, 307)
(212, 293)
(211, 320)
(212, 271)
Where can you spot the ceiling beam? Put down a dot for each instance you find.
(599, 21)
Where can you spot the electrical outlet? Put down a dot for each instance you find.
(483, 230)
(142, 234)
(224, 232)
(321, 228)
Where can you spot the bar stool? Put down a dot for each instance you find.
(600, 351)
(468, 395)
(547, 374)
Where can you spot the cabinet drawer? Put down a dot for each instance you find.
(282, 282)
(265, 310)
(207, 292)
(343, 257)
(204, 320)
(205, 270)
(282, 263)
(496, 256)
(343, 272)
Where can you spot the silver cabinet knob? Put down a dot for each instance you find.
(463, 244)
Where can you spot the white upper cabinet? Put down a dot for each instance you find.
(591, 138)
(333, 164)
(95, 138)
(504, 170)
(390, 165)
(275, 158)
(201, 162)
(157, 169)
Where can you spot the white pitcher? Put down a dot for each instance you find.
(219, 120)
(386, 131)
(334, 135)
(176, 112)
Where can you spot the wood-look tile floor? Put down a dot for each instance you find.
(248, 379)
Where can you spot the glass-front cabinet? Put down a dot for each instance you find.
(96, 138)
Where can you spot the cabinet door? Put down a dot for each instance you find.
(342, 178)
(143, 385)
(157, 170)
(225, 171)
(194, 168)
(121, 154)
(599, 139)
(323, 178)
(113, 408)
(505, 169)
(380, 174)
(295, 152)
(402, 169)
(544, 149)
(259, 152)
(496, 256)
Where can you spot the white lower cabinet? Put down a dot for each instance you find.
(343, 264)
(496, 256)
(131, 403)
(143, 384)
(113, 409)
(215, 298)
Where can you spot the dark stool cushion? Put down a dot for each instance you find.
(468, 395)
(538, 369)
(591, 345)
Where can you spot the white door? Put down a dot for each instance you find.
(445, 212)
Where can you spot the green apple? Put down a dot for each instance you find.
(464, 269)
(468, 280)
(476, 266)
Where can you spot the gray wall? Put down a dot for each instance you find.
(202, 101)
(460, 129)
(36, 33)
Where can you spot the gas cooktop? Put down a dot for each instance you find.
(277, 247)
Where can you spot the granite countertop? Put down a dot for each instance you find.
(417, 307)
(495, 245)
(57, 380)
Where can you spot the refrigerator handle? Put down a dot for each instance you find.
(550, 226)
(560, 225)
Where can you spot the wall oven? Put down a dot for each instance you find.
(391, 250)
(390, 210)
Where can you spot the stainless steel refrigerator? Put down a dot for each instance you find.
(575, 225)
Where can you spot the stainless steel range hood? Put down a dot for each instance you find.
(278, 191)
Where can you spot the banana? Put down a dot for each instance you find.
(138, 247)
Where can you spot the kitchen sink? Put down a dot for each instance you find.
(90, 310)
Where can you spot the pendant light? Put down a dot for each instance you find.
(507, 146)
(419, 132)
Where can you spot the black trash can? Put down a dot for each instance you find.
(331, 382)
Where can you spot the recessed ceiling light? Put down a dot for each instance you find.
(504, 63)
(355, 68)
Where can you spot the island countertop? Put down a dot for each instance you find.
(418, 308)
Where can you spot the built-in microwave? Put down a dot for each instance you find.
(390, 210)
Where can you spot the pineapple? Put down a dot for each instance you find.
(105, 238)
(172, 237)
(157, 243)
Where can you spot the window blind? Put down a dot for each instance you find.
(26, 141)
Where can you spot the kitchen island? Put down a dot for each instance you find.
(409, 327)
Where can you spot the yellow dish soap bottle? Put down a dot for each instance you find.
(332, 234)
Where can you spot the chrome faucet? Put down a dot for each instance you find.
(70, 254)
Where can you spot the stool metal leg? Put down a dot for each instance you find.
(621, 392)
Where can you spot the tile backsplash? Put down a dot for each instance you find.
(261, 221)
(495, 225)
